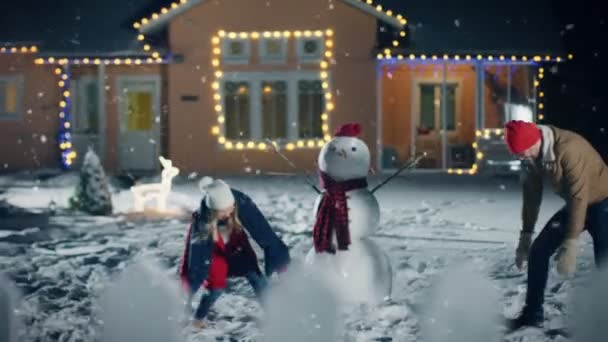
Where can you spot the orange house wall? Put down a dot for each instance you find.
(352, 77)
(21, 140)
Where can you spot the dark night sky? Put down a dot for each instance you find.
(576, 94)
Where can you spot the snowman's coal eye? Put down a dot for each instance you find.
(353, 148)
(332, 148)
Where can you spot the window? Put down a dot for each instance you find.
(310, 108)
(273, 50)
(310, 49)
(237, 110)
(139, 111)
(86, 106)
(274, 109)
(279, 106)
(11, 95)
(236, 51)
(430, 108)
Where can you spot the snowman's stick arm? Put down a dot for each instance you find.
(407, 165)
(293, 166)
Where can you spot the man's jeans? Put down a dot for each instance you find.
(550, 239)
(257, 281)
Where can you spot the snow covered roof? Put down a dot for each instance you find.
(162, 17)
(474, 26)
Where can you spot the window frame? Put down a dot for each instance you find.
(244, 58)
(255, 80)
(20, 80)
(417, 101)
(307, 58)
(78, 88)
(265, 58)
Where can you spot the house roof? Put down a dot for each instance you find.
(475, 26)
(74, 27)
(163, 18)
(87, 28)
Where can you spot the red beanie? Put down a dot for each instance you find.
(521, 135)
(348, 130)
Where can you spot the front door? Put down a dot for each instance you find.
(139, 112)
(428, 121)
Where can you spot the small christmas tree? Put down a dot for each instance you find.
(92, 193)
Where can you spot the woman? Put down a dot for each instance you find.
(217, 246)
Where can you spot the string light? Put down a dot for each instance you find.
(97, 61)
(65, 127)
(388, 53)
(20, 50)
(218, 129)
(479, 134)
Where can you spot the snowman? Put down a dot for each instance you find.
(347, 213)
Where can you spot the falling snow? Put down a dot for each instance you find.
(457, 22)
(570, 27)
(43, 139)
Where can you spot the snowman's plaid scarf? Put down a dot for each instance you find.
(333, 213)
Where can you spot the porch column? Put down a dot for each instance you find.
(379, 144)
(479, 123)
(101, 108)
(444, 116)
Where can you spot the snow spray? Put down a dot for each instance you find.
(10, 324)
(301, 308)
(590, 308)
(143, 304)
(463, 307)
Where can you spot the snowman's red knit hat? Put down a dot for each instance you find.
(348, 130)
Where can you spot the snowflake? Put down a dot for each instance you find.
(457, 22)
(29, 111)
(43, 139)
(569, 26)
(203, 79)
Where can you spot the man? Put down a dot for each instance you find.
(578, 175)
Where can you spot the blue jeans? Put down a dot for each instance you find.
(549, 240)
(257, 281)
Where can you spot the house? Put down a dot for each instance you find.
(217, 85)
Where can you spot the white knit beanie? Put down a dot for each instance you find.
(218, 195)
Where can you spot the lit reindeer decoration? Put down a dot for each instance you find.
(159, 191)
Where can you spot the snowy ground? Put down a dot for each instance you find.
(428, 223)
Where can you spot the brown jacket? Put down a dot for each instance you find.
(575, 170)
